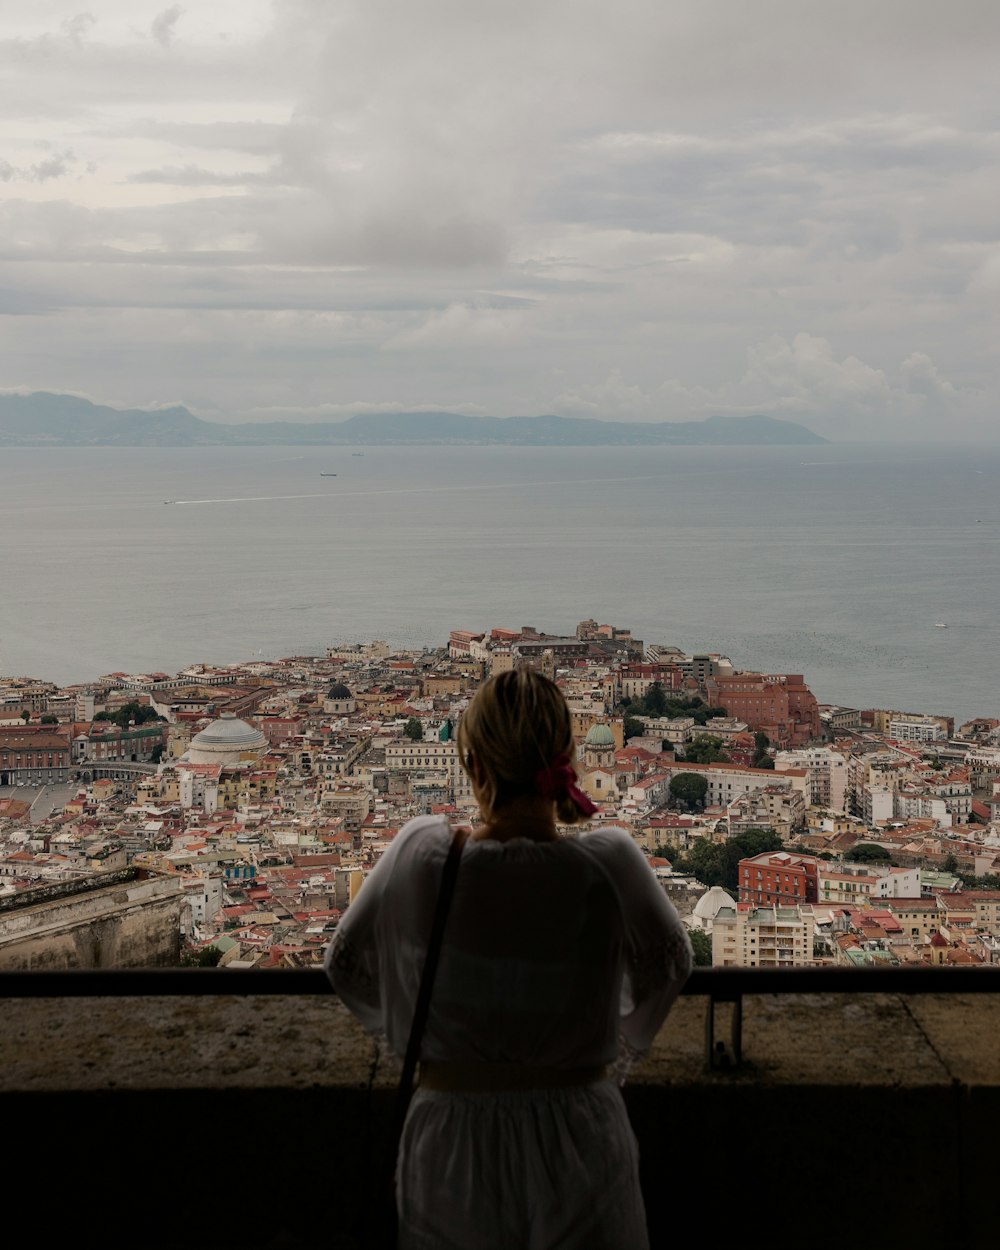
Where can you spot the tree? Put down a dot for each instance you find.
(206, 957)
(705, 749)
(414, 730)
(761, 759)
(132, 712)
(633, 727)
(707, 861)
(48, 719)
(718, 863)
(870, 853)
(950, 864)
(689, 788)
(755, 842)
(654, 700)
(701, 944)
(25, 715)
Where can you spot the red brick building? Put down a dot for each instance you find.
(778, 879)
(33, 755)
(780, 705)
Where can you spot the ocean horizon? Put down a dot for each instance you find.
(838, 561)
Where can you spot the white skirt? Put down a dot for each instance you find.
(520, 1170)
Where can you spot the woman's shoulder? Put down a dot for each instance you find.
(609, 839)
(422, 833)
(614, 847)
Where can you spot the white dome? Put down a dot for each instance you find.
(710, 904)
(226, 741)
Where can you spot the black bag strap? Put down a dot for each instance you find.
(423, 1004)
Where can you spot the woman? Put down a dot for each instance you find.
(561, 958)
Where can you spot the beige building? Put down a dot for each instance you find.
(853, 885)
(763, 937)
(826, 771)
(776, 807)
(351, 803)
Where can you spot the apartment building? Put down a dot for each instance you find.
(763, 937)
(778, 878)
(826, 772)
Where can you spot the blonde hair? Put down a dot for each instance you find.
(516, 725)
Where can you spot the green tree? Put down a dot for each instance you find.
(707, 861)
(654, 700)
(139, 713)
(701, 944)
(755, 842)
(413, 729)
(705, 749)
(718, 863)
(205, 957)
(47, 719)
(870, 853)
(25, 715)
(761, 759)
(689, 788)
(950, 864)
(633, 727)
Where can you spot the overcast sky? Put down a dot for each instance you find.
(647, 210)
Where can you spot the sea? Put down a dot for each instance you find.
(874, 570)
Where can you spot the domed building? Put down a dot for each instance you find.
(709, 906)
(227, 740)
(339, 701)
(599, 747)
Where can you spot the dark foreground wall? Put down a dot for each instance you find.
(182, 1123)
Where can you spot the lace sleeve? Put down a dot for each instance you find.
(654, 977)
(658, 955)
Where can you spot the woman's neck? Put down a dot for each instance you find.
(527, 816)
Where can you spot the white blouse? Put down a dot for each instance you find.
(565, 953)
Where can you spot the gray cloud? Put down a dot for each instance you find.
(163, 25)
(652, 211)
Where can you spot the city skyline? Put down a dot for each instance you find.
(276, 211)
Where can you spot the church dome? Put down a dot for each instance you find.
(339, 691)
(710, 904)
(226, 741)
(600, 736)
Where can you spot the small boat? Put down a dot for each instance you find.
(940, 624)
(169, 501)
(328, 475)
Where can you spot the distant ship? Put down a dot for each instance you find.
(357, 453)
(328, 475)
(940, 624)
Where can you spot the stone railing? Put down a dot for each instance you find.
(167, 1118)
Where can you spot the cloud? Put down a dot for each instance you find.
(460, 325)
(58, 165)
(647, 211)
(76, 27)
(922, 377)
(163, 25)
(805, 375)
(614, 397)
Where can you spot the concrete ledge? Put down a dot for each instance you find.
(877, 1109)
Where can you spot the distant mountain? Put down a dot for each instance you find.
(47, 420)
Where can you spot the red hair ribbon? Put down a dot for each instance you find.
(559, 780)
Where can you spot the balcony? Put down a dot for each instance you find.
(168, 1104)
